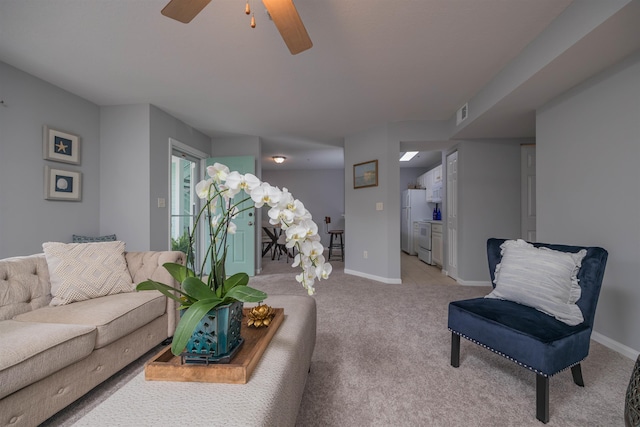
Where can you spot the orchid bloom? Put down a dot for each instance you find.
(236, 182)
(323, 270)
(231, 228)
(300, 231)
(295, 234)
(218, 172)
(265, 194)
(203, 188)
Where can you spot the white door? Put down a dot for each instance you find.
(452, 215)
(528, 192)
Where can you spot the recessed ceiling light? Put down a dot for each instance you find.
(408, 156)
(279, 159)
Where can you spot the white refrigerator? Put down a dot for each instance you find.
(414, 208)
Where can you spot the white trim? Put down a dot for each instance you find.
(473, 282)
(174, 143)
(187, 149)
(372, 277)
(614, 345)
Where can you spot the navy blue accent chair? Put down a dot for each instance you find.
(527, 336)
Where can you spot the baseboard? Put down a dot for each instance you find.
(372, 277)
(614, 345)
(473, 282)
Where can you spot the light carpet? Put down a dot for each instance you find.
(382, 358)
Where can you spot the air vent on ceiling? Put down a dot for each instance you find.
(463, 113)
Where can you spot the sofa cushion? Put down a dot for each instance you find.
(81, 271)
(114, 316)
(37, 350)
(24, 285)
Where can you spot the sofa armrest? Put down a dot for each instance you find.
(148, 265)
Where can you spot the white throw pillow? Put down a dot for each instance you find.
(541, 278)
(82, 271)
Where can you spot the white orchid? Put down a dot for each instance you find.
(225, 196)
(236, 182)
(296, 234)
(231, 228)
(220, 191)
(203, 188)
(311, 249)
(218, 172)
(278, 215)
(215, 221)
(323, 270)
(265, 194)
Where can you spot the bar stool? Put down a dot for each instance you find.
(334, 244)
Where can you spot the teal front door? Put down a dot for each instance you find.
(241, 245)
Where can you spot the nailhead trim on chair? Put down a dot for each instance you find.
(511, 358)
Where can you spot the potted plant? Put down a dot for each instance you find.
(224, 195)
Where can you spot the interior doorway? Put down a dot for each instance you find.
(184, 176)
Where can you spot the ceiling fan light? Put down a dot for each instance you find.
(279, 159)
(408, 156)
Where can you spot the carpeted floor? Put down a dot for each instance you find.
(382, 358)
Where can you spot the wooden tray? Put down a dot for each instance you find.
(167, 367)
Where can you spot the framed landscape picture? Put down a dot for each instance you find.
(60, 146)
(365, 174)
(60, 184)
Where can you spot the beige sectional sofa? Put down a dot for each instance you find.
(52, 355)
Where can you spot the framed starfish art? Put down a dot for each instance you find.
(60, 146)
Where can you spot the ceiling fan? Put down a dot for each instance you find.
(283, 13)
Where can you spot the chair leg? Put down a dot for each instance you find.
(542, 398)
(576, 371)
(455, 350)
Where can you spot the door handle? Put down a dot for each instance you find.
(250, 223)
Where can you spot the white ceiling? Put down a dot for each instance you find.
(373, 62)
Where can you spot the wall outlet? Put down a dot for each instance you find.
(366, 254)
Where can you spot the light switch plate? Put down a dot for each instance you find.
(379, 206)
(161, 202)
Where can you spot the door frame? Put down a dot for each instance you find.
(174, 144)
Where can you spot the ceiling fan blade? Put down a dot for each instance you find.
(285, 17)
(184, 10)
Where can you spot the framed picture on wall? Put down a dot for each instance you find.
(60, 184)
(60, 146)
(365, 174)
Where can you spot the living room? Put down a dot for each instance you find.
(585, 127)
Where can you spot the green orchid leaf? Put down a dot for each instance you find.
(188, 322)
(167, 290)
(178, 271)
(197, 288)
(246, 294)
(238, 279)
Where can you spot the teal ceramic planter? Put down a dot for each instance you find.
(217, 337)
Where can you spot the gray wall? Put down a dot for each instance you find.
(321, 192)
(162, 127)
(124, 174)
(134, 158)
(588, 191)
(367, 229)
(26, 218)
(488, 202)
